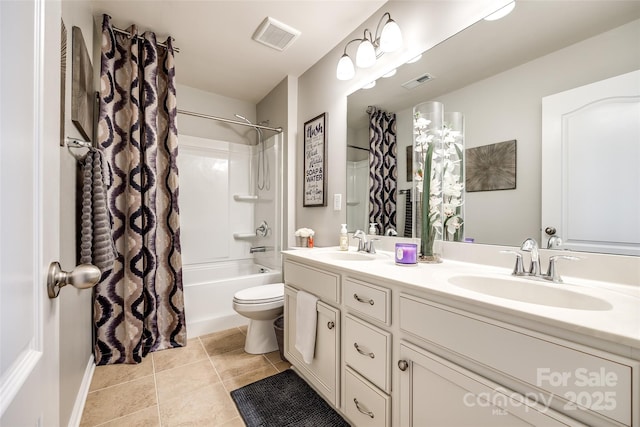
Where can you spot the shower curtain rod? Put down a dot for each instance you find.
(235, 122)
(127, 33)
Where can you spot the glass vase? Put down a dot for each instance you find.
(453, 178)
(428, 119)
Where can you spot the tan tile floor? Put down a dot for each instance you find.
(186, 386)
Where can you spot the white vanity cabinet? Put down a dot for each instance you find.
(324, 370)
(436, 392)
(403, 356)
(585, 384)
(367, 348)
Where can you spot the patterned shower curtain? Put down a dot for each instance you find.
(383, 171)
(138, 305)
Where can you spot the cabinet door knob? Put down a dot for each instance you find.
(403, 365)
(330, 325)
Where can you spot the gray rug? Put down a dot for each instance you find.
(284, 400)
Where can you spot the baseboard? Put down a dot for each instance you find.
(81, 398)
(215, 324)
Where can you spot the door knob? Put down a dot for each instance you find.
(84, 276)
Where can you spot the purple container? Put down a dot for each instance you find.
(406, 253)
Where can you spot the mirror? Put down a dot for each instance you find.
(496, 73)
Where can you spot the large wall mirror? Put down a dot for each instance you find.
(496, 74)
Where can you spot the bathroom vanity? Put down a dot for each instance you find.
(453, 344)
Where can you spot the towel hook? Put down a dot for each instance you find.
(77, 143)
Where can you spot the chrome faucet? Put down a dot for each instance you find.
(363, 244)
(530, 245)
(552, 273)
(554, 242)
(362, 240)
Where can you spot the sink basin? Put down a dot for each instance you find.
(530, 292)
(346, 256)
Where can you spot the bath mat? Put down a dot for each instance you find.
(284, 400)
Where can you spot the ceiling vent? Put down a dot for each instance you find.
(417, 81)
(275, 34)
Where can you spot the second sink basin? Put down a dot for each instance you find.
(530, 292)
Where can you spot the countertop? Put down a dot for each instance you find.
(619, 324)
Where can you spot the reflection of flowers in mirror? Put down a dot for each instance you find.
(304, 232)
(422, 139)
(452, 184)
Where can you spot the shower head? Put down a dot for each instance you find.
(251, 124)
(243, 118)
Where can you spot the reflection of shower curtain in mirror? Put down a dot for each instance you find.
(383, 169)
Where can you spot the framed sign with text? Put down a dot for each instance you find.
(315, 171)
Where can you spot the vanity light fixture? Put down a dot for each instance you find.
(370, 47)
(502, 12)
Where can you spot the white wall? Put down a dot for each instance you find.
(424, 24)
(278, 108)
(76, 345)
(199, 101)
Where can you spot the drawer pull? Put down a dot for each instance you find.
(330, 325)
(369, 413)
(357, 298)
(364, 353)
(403, 365)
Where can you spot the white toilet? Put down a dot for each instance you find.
(261, 305)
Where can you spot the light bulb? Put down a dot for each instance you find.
(366, 54)
(391, 37)
(345, 70)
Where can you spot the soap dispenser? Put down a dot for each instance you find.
(372, 228)
(344, 238)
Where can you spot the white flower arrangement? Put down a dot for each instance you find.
(304, 232)
(439, 178)
(452, 183)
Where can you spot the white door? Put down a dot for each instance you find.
(29, 210)
(590, 173)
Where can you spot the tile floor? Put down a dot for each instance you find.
(186, 386)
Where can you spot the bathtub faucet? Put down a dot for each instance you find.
(257, 249)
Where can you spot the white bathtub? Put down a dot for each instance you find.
(209, 290)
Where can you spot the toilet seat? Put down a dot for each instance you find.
(263, 294)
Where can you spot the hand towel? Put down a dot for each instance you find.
(306, 319)
(408, 214)
(96, 243)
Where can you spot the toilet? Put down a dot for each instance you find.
(261, 305)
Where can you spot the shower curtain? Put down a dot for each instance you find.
(383, 169)
(138, 304)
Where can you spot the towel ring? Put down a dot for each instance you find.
(77, 143)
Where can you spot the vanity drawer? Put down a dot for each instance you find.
(367, 299)
(365, 406)
(367, 350)
(318, 282)
(598, 381)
